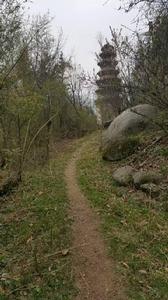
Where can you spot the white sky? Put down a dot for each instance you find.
(82, 21)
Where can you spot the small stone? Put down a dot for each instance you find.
(142, 177)
(124, 175)
(65, 252)
(143, 272)
(151, 189)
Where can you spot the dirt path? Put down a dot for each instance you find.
(94, 271)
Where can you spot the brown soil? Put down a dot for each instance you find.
(95, 273)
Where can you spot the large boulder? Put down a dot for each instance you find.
(121, 138)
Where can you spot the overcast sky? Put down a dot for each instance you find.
(82, 21)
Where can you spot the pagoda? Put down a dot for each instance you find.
(108, 82)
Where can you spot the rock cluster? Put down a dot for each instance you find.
(148, 182)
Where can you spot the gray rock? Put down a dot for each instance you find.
(151, 189)
(120, 139)
(124, 175)
(142, 177)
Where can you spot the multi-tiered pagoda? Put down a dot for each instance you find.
(109, 84)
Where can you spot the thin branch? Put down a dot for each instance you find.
(25, 141)
(36, 135)
(106, 2)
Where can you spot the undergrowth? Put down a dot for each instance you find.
(35, 236)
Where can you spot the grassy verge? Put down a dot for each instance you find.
(35, 233)
(136, 230)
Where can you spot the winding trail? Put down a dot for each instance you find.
(94, 271)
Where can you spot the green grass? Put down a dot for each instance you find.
(35, 231)
(136, 230)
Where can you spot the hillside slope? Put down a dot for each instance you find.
(134, 224)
